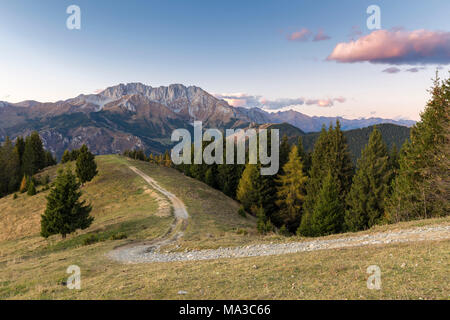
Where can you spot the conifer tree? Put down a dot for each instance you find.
(285, 149)
(20, 147)
(86, 168)
(328, 214)
(31, 188)
(330, 154)
(422, 186)
(33, 155)
(290, 193)
(304, 156)
(209, 177)
(65, 213)
(24, 184)
(49, 159)
(248, 189)
(9, 168)
(66, 157)
(370, 186)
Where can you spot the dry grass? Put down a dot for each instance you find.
(33, 268)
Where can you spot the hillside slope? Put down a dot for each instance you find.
(124, 203)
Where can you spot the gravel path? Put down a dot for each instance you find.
(149, 252)
(175, 232)
(180, 211)
(141, 254)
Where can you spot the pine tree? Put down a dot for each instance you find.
(65, 213)
(66, 157)
(327, 217)
(290, 193)
(86, 168)
(366, 199)
(422, 186)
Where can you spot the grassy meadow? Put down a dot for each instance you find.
(32, 267)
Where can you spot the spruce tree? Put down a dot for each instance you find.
(422, 186)
(86, 168)
(9, 168)
(328, 214)
(330, 154)
(366, 199)
(290, 193)
(65, 213)
(33, 155)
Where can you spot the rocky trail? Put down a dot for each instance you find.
(149, 252)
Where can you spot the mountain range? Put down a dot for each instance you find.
(135, 115)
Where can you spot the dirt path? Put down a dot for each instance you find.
(129, 252)
(148, 252)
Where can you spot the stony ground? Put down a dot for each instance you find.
(151, 252)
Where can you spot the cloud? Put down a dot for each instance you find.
(396, 47)
(252, 101)
(392, 70)
(280, 103)
(321, 36)
(302, 35)
(305, 34)
(415, 69)
(325, 102)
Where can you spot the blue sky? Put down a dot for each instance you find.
(225, 47)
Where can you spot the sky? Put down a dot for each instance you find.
(316, 57)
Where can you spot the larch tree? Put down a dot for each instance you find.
(290, 192)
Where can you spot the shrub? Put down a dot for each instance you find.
(31, 189)
(241, 212)
(284, 231)
(119, 236)
(91, 239)
(15, 196)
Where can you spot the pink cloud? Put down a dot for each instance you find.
(301, 35)
(321, 36)
(396, 47)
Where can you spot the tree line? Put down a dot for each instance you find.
(21, 160)
(322, 192)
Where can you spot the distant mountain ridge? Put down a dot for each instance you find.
(135, 115)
